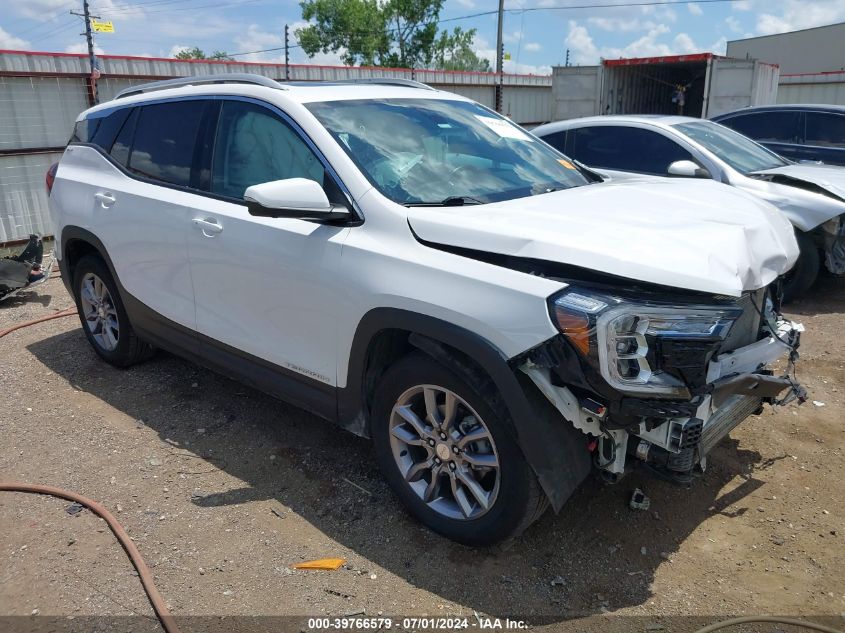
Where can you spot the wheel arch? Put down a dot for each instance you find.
(553, 448)
(77, 242)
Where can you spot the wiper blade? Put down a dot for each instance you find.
(459, 201)
(451, 201)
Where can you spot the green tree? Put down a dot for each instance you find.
(198, 53)
(400, 33)
(453, 51)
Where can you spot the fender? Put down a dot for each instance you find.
(555, 450)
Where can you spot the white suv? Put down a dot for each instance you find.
(415, 267)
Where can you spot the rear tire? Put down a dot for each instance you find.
(452, 506)
(803, 275)
(103, 316)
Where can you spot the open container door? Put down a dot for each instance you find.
(576, 91)
(738, 83)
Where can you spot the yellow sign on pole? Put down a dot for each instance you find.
(507, 57)
(102, 27)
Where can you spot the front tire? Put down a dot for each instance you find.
(450, 457)
(798, 281)
(103, 316)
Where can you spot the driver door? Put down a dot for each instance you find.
(265, 287)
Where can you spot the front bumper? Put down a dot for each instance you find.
(675, 438)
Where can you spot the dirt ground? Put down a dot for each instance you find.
(223, 488)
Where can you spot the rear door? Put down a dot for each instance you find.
(266, 288)
(824, 138)
(142, 202)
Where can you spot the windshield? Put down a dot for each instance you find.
(738, 151)
(439, 152)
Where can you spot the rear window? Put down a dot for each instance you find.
(165, 141)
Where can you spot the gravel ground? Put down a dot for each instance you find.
(223, 488)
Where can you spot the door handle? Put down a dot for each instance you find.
(209, 226)
(105, 199)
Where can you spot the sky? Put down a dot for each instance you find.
(537, 33)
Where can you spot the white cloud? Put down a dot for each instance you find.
(532, 47)
(82, 47)
(581, 44)
(467, 4)
(176, 49)
(653, 43)
(621, 25)
(780, 16)
(10, 42)
(38, 9)
(695, 9)
(733, 24)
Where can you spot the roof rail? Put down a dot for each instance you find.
(387, 81)
(222, 78)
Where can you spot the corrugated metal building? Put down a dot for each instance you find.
(41, 95)
(812, 62)
(816, 50)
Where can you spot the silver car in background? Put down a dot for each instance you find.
(812, 196)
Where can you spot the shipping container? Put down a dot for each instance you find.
(701, 85)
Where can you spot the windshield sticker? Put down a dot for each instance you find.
(566, 163)
(503, 128)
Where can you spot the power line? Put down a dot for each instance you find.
(217, 5)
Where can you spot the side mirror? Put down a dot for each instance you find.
(687, 169)
(298, 198)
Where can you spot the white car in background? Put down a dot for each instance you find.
(812, 196)
(420, 270)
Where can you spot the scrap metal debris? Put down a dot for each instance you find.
(639, 501)
(24, 270)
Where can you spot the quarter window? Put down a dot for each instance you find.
(123, 143)
(825, 129)
(254, 146)
(625, 149)
(165, 139)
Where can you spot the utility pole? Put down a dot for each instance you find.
(500, 52)
(89, 38)
(287, 57)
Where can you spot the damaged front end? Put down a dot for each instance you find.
(659, 380)
(831, 241)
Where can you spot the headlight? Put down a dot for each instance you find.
(625, 339)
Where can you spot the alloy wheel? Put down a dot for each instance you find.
(99, 312)
(445, 452)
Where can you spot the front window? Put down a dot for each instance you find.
(736, 150)
(439, 152)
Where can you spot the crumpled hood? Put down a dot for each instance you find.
(808, 194)
(828, 177)
(696, 235)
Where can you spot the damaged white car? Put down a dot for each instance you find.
(416, 268)
(812, 196)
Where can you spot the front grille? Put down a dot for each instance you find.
(746, 329)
